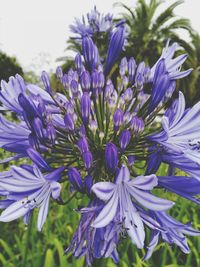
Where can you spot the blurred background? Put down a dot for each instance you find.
(35, 36)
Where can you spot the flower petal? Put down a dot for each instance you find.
(150, 201)
(104, 190)
(108, 212)
(144, 182)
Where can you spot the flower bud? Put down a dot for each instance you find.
(83, 144)
(93, 126)
(136, 125)
(90, 53)
(78, 62)
(117, 119)
(85, 107)
(74, 88)
(124, 139)
(87, 159)
(69, 122)
(82, 130)
(94, 78)
(111, 157)
(88, 182)
(46, 81)
(85, 81)
(131, 69)
(123, 66)
(131, 160)
(51, 132)
(75, 178)
(59, 73)
(37, 125)
(101, 80)
(115, 47)
(128, 94)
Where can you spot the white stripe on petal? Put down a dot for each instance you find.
(108, 212)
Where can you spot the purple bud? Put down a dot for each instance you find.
(131, 69)
(94, 78)
(69, 122)
(93, 126)
(128, 94)
(69, 108)
(33, 141)
(111, 157)
(65, 81)
(28, 107)
(139, 81)
(136, 125)
(124, 139)
(38, 159)
(78, 62)
(115, 47)
(118, 118)
(38, 127)
(85, 107)
(108, 90)
(88, 182)
(131, 160)
(46, 81)
(59, 73)
(87, 159)
(74, 88)
(90, 53)
(101, 80)
(123, 66)
(83, 144)
(127, 117)
(85, 81)
(147, 72)
(75, 178)
(51, 132)
(82, 130)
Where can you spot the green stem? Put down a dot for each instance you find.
(27, 240)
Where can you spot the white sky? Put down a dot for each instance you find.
(35, 31)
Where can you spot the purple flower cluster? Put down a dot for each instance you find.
(93, 137)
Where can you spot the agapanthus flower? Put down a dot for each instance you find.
(101, 136)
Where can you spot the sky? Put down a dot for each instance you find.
(35, 31)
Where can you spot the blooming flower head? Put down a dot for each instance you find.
(100, 135)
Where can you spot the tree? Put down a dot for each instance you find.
(8, 66)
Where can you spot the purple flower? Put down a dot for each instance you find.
(18, 142)
(161, 84)
(179, 185)
(111, 157)
(118, 199)
(173, 66)
(28, 188)
(174, 232)
(181, 131)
